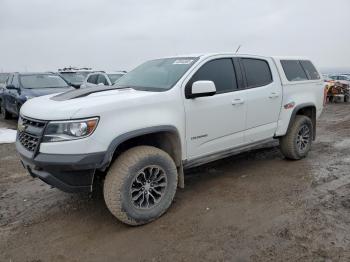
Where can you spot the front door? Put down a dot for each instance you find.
(217, 122)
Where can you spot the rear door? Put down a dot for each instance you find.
(5, 94)
(215, 123)
(14, 94)
(263, 98)
(11, 94)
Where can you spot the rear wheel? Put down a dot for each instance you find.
(4, 114)
(140, 185)
(296, 143)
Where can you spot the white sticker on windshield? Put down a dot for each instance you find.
(183, 62)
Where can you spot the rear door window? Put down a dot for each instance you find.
(257, 72)
(101, 79)
(92, 79)
(310, 70)
(293, 70)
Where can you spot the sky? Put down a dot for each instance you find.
(42, 35)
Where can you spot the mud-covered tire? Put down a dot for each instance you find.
(124, 176)
(4, 114)
(289, 145)
(346, 99)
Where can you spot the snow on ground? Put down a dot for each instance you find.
(7, 135)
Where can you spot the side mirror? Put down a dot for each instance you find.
(11, 87)
(202, 88)
(76, 86)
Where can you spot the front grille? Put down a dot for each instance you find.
(30, 142)
(30, 133)
(31, 122)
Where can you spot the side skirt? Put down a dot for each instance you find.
(229, 152)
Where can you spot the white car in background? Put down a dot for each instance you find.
(102, 78)
(75, 76)
(344, 79)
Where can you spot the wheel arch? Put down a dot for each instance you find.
(166, 138)
(306, 109)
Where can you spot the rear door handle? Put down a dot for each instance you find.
(238, 101)
(274, 95)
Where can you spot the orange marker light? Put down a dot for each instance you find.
(289, 105)
(91, 124)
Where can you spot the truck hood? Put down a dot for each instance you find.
(87, 103)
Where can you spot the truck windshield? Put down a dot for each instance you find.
(157, 75)
(3, 78)
(42, 81)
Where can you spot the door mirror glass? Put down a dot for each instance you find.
(202, 88)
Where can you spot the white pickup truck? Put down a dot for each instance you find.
(165, 116)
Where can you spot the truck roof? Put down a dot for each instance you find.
(205, 55)
(290, 58)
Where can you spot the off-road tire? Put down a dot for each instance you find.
(4, 114)
(346, 99)
(288, 143)
(121, 176)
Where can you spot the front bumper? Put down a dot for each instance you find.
(69, 173)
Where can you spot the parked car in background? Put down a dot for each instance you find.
(343, 78)
(23, 86)
(75, 76)
(3, 79)
(328, 82)
(102, 78)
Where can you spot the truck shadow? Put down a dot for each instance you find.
(214, 175)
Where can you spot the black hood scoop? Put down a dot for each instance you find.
(83, 92)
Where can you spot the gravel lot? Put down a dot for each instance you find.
(252, 207)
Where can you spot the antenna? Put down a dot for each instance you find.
(239, 47)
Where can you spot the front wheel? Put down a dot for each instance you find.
(296, 143)
(140, 185)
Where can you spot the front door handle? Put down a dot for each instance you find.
(274, 95)
(237, 101)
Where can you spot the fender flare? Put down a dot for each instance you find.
(295, 111)
(133, 134)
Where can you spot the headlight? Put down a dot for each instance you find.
(69, 130)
